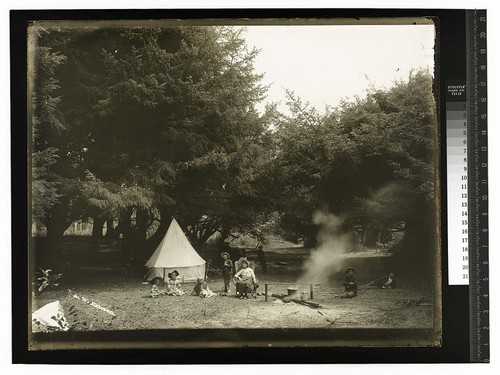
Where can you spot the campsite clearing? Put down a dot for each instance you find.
(134, 309)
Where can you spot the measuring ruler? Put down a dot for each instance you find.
(477, 185)
(467, 187)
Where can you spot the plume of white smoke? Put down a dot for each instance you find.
(328, 256)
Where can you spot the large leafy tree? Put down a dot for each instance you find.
(180, 104)
(55, 191)
(159, 122)
(371, 160)
(45, 118)
(409, 146)
(58, 136)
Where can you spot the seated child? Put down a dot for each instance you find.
(198, 287)
(202, 290)
(206, 292)
(173, 286)
(155, 290)
(351, 288)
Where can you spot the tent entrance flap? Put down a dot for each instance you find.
(187, 274)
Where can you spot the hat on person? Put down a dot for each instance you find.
(244, 261)
(225, 253)
(350, 269)
(172, 273)
(156, 281)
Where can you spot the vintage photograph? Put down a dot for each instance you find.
(233, 176)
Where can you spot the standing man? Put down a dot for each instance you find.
(262, 259)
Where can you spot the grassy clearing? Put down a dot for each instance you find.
(135, 310)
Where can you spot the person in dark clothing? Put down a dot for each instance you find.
(227, 272)
(262, 259)
(200, 284)
(351, 288)
(384, 282)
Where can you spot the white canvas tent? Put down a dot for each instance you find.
(176, 253)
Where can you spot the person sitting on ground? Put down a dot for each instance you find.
(246, 282)
(173, 285)
(201, 289)
(227, 272)
(351, 288)
(198, 287)
(155, 290)
(384, 282)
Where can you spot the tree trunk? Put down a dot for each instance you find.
(98, 224)
(224, 234)
(53, 257)
(139, 234)
(111, 232)
(372, 235)
(58, 220)
(125, 230)
(209, 232)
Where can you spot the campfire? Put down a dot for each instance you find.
(303, 295)
(299, 293)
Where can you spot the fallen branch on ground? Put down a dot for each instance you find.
(285, 298)
(425, 299)
(422, 301)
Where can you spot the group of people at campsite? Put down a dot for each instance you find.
(244, 280)
(243, 277)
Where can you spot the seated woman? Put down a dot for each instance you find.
(173, 286)
(245, 279)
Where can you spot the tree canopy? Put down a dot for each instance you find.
(371, 160)
(137, 125)
(150, 123)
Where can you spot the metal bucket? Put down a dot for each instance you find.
(292, 292)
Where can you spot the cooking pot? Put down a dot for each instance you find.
(292, 291)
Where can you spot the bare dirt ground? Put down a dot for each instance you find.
(129, 301)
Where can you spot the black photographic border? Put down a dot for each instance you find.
(455, 309)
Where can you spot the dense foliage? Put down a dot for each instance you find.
(133, 126)
(371, 161)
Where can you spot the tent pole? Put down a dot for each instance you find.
(163, 275)
(147, 274)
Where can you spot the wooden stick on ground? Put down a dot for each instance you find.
(332, 322)
(409, 302)
(298, 301)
